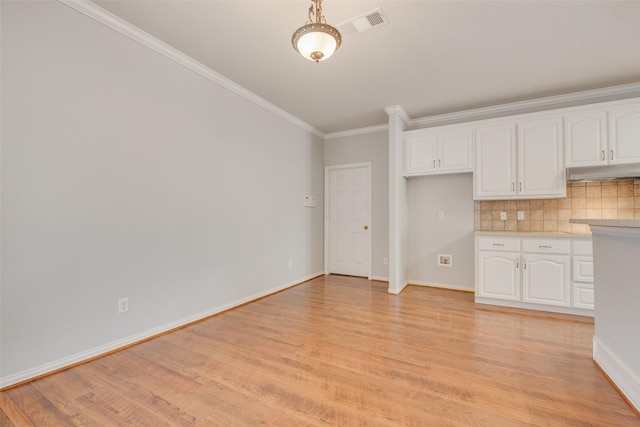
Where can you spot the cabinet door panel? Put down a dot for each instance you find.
(495, 167)
(499, 275)
(585, 138)
(583, 296)
(624, 134)
(454, 150)
(420, 154)
(583, 268)
(540, 158)
(546, 279)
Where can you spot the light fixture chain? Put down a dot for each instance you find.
(316, 10)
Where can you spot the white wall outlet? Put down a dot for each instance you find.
(290, 265)
(445, 260)
(441, 215)
(123, 305)
(520, 215)
(503, 216)
(385, 261)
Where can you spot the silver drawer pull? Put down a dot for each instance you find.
(545, 247)
(498, 244)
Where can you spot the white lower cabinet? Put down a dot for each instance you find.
(535, 273)
(499, 274)
(583, 295)
(546, 279)
(582, 277)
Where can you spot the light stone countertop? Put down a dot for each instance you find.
(628, 223)
(533, 234)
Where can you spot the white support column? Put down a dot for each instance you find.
(398, 215)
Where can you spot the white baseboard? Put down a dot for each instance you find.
(92, 353)
(441, 285)
(379, 279)
(626, 380)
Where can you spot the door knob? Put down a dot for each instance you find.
(366, 227)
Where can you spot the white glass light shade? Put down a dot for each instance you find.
(316, 42)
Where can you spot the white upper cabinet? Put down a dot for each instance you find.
(540, 160)
(519, 159)
(420, 154)
(495, 173)
(455, 150)
(624, 133)
(605, 134)
(438, 150)
(585, 138)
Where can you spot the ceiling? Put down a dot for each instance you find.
(433, 57)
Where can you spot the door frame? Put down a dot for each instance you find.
(327, 212)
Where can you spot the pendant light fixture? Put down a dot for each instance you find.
(316, 40)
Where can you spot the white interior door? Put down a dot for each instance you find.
(349, 221)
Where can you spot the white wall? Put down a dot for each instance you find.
(430, 236)
(125, 174)
(616, 347)
(369, 147)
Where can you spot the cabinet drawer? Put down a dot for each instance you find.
(582, 296)
(498, 244)
(546, 246)
(582, 268)
(583, 247)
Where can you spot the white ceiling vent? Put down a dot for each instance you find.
(364, 22)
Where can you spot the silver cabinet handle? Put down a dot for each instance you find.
(525, 263)
(517, 263)
(498, 244)
(439, 162)
(611, 155)
(434, 163)
(603, 155)
(520, 186)
(545, 247)
(513, 186)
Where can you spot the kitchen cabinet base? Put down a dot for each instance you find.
(537, 307)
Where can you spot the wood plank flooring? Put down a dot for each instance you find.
(341, 351)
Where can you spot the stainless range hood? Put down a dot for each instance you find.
(603, 173)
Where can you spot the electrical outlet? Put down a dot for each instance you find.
(503, 216)
(386, 261)
(123, 305)
(520, 215)
(441, 215)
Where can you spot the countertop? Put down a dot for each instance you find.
(628, 223)
(534, 234)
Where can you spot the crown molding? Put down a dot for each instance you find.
(398, 110)
(354, 132)
(549, 102)
(116, 23)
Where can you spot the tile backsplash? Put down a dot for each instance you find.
(606, 200)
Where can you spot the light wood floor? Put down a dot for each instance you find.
(341, 351)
